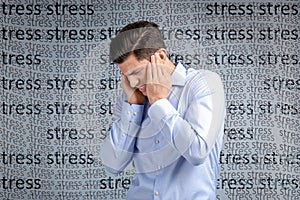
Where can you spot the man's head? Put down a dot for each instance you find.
(141, 38)
(132, 48)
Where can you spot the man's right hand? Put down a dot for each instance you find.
(133, 95)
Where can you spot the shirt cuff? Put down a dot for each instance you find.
(131, 117)
(161, 109)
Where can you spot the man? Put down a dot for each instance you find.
(169, 120)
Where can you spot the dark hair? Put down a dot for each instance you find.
(141, 38)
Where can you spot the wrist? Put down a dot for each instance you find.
(154, 99)
(136, 102)
(136, 99)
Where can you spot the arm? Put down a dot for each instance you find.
(194, 134)
(118, 146)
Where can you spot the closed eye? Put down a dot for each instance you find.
(134, 72)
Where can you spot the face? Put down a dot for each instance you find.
(135, 72)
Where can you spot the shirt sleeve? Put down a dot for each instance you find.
(118, 146)
(194, 133)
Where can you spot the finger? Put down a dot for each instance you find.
(157, 58)
(127, 88)
(154, 72)
(158, 65)
(160, 69)
(125, 83)
(123, 80)
(149, 73)
(153, 68)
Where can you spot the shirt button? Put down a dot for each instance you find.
(159, 167)
(123, 134)
(128, 112)
(156, 193)
(135, 113)
(157, 142)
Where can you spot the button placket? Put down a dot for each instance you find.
(156, 188)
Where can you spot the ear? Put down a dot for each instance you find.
(162, 54)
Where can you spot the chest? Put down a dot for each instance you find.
(154, 136)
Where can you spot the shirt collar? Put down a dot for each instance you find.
(178, 76)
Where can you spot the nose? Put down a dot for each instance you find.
(133, 81)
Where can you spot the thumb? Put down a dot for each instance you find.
(126, 86)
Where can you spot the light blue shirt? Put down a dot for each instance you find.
(174, 143)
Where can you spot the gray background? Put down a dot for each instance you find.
(58, 90)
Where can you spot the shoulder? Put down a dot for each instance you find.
(201, 74)
(202, 81)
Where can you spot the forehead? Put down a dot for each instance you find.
(131, 63)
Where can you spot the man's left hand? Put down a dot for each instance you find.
(158, 79)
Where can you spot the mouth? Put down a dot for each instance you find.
(142, 88)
